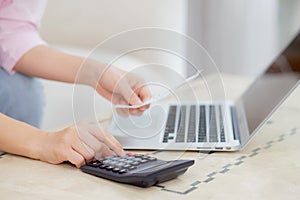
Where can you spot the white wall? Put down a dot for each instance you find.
(242, 36)
(77, 26)
(86, 23)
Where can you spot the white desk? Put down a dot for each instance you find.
(268, 168)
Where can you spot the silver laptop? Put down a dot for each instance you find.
(213, 126)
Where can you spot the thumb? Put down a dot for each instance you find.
(130, 96)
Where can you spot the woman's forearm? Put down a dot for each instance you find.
(45, 62)
(19, 138)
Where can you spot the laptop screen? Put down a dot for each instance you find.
(269, 90)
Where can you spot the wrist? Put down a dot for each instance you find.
(90, 72)
(37, 145)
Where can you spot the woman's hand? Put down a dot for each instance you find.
(125, 88)
(79, 144)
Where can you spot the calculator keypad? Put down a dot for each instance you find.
(121, 164)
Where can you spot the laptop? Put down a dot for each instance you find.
(213, 126)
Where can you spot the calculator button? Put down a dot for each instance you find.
(145, 157)
(143, 161)
(137, 159)
(129, 157)
(116, 169)
(120, 164)
(106, 162)
(109, 167)
(95, 163)
(152, 159)
(135, 163)
(132, 167)
(126, 166)
(102, 166)
(129, 161)
(113, 163)
(122, 171)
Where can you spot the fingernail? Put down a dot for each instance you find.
(134, 111)
(130, 154)
(142, 108)
(123, 153)
(137, 101)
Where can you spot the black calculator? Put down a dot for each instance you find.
(137, 169)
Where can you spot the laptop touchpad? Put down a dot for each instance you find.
(148, 125)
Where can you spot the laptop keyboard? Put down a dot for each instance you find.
(195, 123)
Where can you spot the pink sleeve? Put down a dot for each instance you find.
(19, 23)
(15, 40)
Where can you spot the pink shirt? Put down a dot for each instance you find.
(19, 23)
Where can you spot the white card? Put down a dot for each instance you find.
(159, 96)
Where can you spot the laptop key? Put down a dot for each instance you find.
(202, 125)
(170, 123)
(171, 119)
(213, 131)
(192, 125)
(170, 138)
(222, 133)
(181, 126)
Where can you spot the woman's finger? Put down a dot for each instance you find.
(135, 111)
(104, 152)
(123, 112)
(129, 95)
(75, 158)
(144, 94)
(91, 141)
(113, 144)
(81, 148)
(107, 139)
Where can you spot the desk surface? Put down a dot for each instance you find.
(267, 168)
